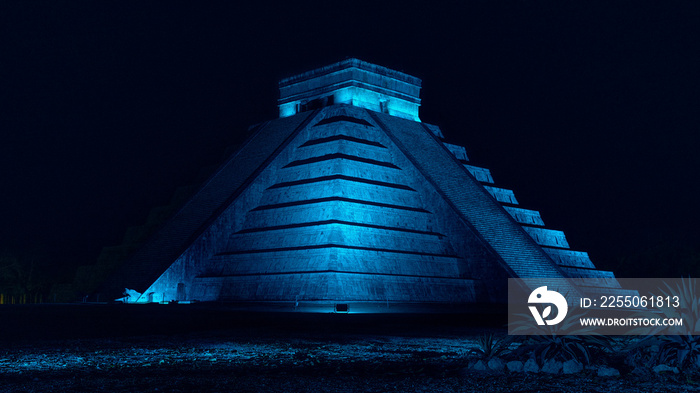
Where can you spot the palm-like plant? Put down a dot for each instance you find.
(489, 346)
(563, 341)
(689, 303)
(681, 351)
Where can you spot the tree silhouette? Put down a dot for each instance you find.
(23, 276)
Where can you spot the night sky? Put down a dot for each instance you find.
(589, 112)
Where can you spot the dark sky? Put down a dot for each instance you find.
(589, 111)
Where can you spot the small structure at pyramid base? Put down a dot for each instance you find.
(349, 203)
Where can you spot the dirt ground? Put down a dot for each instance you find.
(210, 351)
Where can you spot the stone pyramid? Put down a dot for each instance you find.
(349, 199)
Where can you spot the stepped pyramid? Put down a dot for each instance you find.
(348, 198)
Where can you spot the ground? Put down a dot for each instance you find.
(219, 351)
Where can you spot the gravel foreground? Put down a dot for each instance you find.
(215, 362)
(207, 349)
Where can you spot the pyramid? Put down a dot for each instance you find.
(348, 198)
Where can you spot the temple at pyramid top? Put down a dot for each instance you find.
(353, 82)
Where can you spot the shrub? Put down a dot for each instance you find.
(563, 348)
(489, 346)
(680, 351)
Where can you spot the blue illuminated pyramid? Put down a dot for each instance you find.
(348, 198)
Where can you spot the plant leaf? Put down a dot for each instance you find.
(546, 312)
